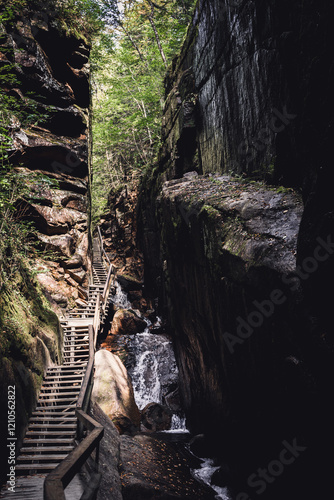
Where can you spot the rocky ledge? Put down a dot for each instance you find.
(232, 296)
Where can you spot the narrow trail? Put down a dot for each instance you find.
(52, 429)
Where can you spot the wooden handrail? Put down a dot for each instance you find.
(57, 480)
(107, 286)
(86, 383)
(97, 318)
(102, 250)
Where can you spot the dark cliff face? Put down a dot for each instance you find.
(250, 96)
(249, 91)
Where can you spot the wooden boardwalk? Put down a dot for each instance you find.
(52, 428)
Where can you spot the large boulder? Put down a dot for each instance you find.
(113, 390)
(155, 417)
(126, 323)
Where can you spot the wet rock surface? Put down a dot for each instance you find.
(151, 469)
(142, 467)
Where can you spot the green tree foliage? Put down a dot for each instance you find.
(129, 63)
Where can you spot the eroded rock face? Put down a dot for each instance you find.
(248, 95)
(51, 156)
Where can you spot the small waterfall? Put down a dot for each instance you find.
(120, 298)
(153, 368)
(145, 374)
(154, 375)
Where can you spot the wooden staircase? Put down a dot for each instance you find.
(52, 429)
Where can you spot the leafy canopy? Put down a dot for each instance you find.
(129, 62)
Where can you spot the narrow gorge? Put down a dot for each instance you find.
(166, 192)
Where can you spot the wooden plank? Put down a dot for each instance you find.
(51, 426)
(33, 449)
(60, 393)
(56, 400)
(72, 372)
(52, 418)
(40, 457)
(32, 467)
(61, 388)
(46, 441)
(63, 382)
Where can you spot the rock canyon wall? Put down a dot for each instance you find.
(236, 226)
(45, 72)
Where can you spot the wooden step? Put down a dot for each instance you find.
(47, 449)
(44, 397)
(40, 457)
(29, 441)
(78, 336)
(57, 413)
(79, 362)
(52, 419)
(73, 340)
(63, 370)
(75, 372)
(57, 400)
(77, 379)
(77, 349)
(55, 380)
(62, 385)
(33, 467)
(56, 407)
(75, 355)
(60, 390)
(51, 427)
(51, 433)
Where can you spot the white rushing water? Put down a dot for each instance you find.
(154, 368)
(204, 474)
(153, 372)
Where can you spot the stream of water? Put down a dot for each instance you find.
(154, 373)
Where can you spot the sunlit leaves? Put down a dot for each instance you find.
(129, 70)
